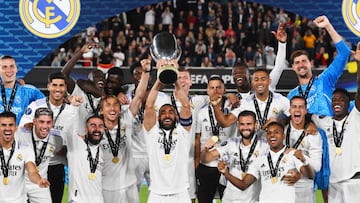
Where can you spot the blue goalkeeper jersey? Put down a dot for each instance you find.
(25, 94)
(320, 94)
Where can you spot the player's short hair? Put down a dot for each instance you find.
(247, 113)
(56, 75)
(241, 65)
(343, 91)
(43, 111)
(274, 123)
(3, 57)
(261, 70)
(95, 116)
(184, 69)
(133, 66)
(115, 71)
(298, 97)
(8, 114)
(107, 97)
(216, 78)
(298, 53)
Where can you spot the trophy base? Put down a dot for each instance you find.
(168, 76)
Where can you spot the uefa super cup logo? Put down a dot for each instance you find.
(351, 15)
(49, 18)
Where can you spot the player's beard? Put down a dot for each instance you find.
(172, 126)
(91, 139)
(252, 133)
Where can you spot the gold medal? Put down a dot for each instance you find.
(338, 151)
(115, 160)
(215, 138)
(273, 180)
(167, 157)
(91, 176)
(6, 181)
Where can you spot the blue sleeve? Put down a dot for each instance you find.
(292, 93)
(336, 68)
(36, 94)
(322, 177)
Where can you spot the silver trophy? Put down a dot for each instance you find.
(164, 46)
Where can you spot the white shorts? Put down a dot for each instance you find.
(126, 195)
(38, 195)
(192, 180)
(174, 198)
(141, 170)
(304, 192)
(345, 191)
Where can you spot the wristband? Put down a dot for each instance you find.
(185, 122)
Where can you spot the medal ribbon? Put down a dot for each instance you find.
(243, 163)
(114, 145)
(39, 158)
(141, 113)
(215, 129)
(7, 107)
(298, 141)
(5, 165)
(173, 102)
(92, 162)
(94, 110)
(167, 143)
(238, 95)
(338, 138)
(262, 119)
(307, 88)
(61, 109)
(142, 108)
(273, 170)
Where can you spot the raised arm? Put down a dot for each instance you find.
(356, 55)
(185, 111)
(323, 22)
(280, 63)
(223, 120)
(150, 114)
(209, 153)
(141, 88)
(335, 69)
(69, 66)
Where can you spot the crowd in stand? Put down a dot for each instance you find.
(211, 34)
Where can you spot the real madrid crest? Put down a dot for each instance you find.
(49, 19)
(351, 15)
(19, 157)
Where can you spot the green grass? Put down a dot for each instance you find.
(144, 192)
(65, 195)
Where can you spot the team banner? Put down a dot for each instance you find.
(31, 29)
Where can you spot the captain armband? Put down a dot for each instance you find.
(185, 122)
